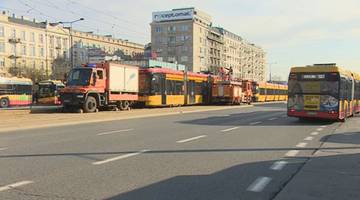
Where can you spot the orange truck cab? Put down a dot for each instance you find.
(102, 85)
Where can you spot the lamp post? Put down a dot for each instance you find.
(71, 39)
(272, 63)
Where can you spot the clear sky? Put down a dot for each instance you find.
(292, 32)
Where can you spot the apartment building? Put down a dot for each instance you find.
(188, 37)
(26, 43)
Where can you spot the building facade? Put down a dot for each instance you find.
(187, 36)
(28, 44)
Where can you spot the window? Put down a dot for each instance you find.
(158, 29)
(41, 51)
(23, 35)
(2, 31)
(13, 33)
(171, 39)
(184, 59)
(65, 43)
(23, 50)
(2, 47)
(32, 50)
(32, 37)
(172, 28)
(184, 48)
(41, 38)
(2, 62)
(184, 28)
(100, 74)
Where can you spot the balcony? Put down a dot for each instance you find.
(14, 40)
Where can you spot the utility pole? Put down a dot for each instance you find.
(270, 75)
(71, 39)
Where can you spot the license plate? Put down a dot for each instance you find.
(311, 113)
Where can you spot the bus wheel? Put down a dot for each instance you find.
(4, 103)
(90, 104)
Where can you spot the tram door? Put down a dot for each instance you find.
(163, 88)
(191, 92)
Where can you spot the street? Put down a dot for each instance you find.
(240, 153)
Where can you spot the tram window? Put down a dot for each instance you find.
(170, 87)
(198, 88)
(179, 87)
(262, 91)
(155, 85)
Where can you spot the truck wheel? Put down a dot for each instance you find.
(124, 105)
(90, 104)
(4, 103)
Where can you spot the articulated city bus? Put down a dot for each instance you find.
(165, 87)
(48, 92)
(264, 92)
(15, 92)
(322, 91)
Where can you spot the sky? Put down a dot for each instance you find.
(292, 32)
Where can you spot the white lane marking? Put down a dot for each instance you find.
(323, 126)
(191, 139)
(230, 129)
(319, 129)
(301, 144)
(292, 153)
(274, 118)
(314, 133)
(116, 131)
(4, 148)
(278, 165)
(14, 185)
(119, 157)
(309, 138)
(259, 184)
(254, 123)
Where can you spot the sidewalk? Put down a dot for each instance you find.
(331, 173)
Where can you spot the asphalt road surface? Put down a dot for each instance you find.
(241, 153)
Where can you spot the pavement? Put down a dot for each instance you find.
(333, 172)
(239, 153)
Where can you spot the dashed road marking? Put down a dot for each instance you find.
(274, 118)
(191, 139)
(301, 144)
(230, 129)
(292, 153)
(3, 148)
(314, 133)
(14, 185)
(254, 123)
(309, 138)
(119, 157)
(259, 184)
(116, 131)
(319, 129)
(278, 165)
(323, 126)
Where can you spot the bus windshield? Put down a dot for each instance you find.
(79, 77)
(313, 91)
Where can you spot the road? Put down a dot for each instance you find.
(241, 153)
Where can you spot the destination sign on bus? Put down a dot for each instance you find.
(313, 76)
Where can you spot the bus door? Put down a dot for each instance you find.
(191, 92)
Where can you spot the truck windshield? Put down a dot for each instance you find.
(79, 77)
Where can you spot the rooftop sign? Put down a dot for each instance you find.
(173, 15)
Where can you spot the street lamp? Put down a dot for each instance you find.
(272, 63)
(71, 39)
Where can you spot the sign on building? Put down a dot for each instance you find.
(173, 15)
